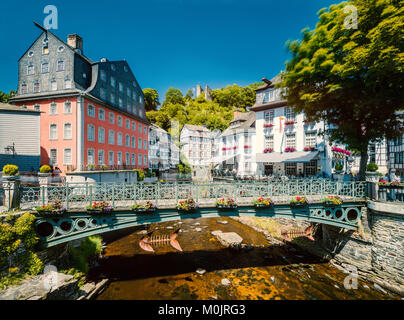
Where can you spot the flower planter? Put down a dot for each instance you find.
(263, 206)
(372, 176)
(50, 213)
(331, 204)
(226, 207)
(298, 205)
(98, 211)
(10, 178)
(182, 211)
(143, 210)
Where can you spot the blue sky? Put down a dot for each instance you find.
(168, 43)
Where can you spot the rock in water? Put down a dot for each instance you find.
(222, 222)
(200, 271)
(226, 282)
(228, 239)
(198, 229)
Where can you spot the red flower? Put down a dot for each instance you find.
(43, 206)
(298, 198)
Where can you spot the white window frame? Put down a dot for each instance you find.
(90, 129)
(51, 162)
(101, 152)
(93, 151)
(65, 135)
(111, 160)
(65, 109)
(111, 133)
(67, 163)
(89, 108)
(50, 131)
(101, 135)
(119, 139)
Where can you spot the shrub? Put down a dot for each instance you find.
(45, 169)
(10, 170)
(89, 248)
(372, 167)
(140, 174)
(339, 167)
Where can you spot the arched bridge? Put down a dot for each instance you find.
(76, 223)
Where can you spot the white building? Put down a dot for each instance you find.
(395, 153)
(286, 143)
(159, 148)
(377, 154)
(196, 144)
(237, 146)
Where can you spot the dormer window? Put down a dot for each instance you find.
(120, 87)
(125, 68)
(61, 48)
(113, 68)
(30, 54)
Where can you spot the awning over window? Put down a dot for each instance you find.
(277, 157)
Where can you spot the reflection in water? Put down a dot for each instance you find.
(267, 272)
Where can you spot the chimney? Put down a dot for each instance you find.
(76, 42)
(266, 81)
(236, 113)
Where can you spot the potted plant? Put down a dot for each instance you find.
(332, 201)
(45, 171)
(371, 172)
(148, 207)
(10, 172)
(299, 202)
(51, 209)
(188, 205)
(339, 168)
(226, 204)
(263, 203)
(99, 207)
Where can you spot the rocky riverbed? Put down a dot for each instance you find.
(221, 259)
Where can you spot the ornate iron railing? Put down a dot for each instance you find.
(79, 195)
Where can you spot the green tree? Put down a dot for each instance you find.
(189, 95)
(174, 96)
(4, 96)
(351, 78)
(151, 99)
(234, 96)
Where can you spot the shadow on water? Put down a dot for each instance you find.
(141, 266)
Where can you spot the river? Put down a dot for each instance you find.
(267, 272)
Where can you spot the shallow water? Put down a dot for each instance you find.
(268, 272)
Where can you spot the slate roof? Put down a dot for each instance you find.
(247, 121)
(10, 107)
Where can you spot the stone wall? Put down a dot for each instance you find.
(376, 249)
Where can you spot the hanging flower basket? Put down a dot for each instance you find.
(99, 208)
(187, 206)
(268, 125)
(268, 150)
(262, 203)
(288, 123)
(299, 202)
(50, 210)
(226, 204)
(149, 207)
(332, 201)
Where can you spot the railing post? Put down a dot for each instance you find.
(158, 192)
(43, 194)
(67, 196)
(113, 195)
(176, 192)
(134, 193)
(91, 194)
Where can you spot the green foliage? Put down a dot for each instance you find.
(372, 167)
(45, 169)
(339, 166)
(77, 274)
(4, 96)
(11, 236)
(151, 99)
(10, 170)
(215, 114)
(183, 168)
(351, 78)
(140, 174)
(89, 248)
(234, 96)
(174, 96)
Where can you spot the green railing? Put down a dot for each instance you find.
(79, 195)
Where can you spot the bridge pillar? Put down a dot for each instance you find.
(44, 183)
(11, 187)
